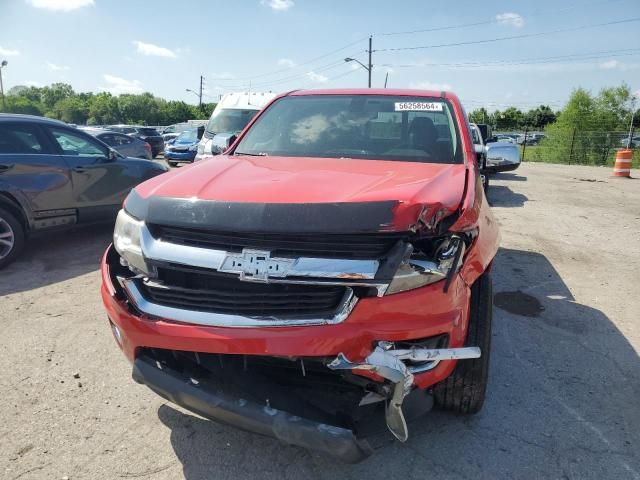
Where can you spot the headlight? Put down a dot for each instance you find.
(424, 268)
(126, 241)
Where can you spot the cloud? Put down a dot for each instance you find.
(152, 50)
(278, 5)
(609, 64)
(7, 52)
(431, 86)
(117, 85)
(286, 62)
(511, 19)
(316, 77)
(222, 76)
(32, 83)
(56, 68)
(60, 5)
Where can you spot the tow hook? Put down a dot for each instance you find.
(389, 364)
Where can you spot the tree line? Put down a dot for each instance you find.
(61, 102)
(587, 130)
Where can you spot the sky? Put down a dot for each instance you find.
(491, 53)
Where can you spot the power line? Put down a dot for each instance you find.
(526, 61)
(306, 62)
(493, 20)
(511, 37)
(290, 78)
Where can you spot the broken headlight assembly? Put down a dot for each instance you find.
(126, 241)
(427, 262)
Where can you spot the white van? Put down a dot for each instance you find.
(230, 116)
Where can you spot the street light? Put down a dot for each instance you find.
(3, 64)
(368, 69)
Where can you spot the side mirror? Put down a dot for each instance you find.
(222, 142)
(113, 155)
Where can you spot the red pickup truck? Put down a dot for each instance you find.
(325, 276)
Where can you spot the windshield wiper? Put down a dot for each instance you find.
(259, 154)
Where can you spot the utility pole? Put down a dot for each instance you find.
(200, 95)
(633, 105)
(368, 67)
(2, 64)
(370, 51)
(386, 78)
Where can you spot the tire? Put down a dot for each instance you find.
(173, 164)
(10, 230)
(485, 187)
(464, 390)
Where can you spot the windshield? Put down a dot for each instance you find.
(187, 136)
(229, 120)
(380, 127)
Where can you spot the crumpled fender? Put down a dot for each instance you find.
(476, 215)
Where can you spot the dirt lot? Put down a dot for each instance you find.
(564, 390)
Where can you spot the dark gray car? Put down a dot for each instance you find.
(56, 176)
(127, 145)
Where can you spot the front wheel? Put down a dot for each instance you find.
(11, 237)
(465, 389)
(173, 164)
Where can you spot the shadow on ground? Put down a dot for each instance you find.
(503, 196)
(509, 176)
(55, 257)
(561, 404)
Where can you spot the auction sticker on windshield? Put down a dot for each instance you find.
(418, 106)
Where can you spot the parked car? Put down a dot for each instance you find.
(635, 141)
(172, 131)
(330, 269)
(530, 139)
(232, 113)
(503, 137)
(56, 176)
(124, 144)
(148, 134)
(182, 149)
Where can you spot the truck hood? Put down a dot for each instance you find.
(411, 191)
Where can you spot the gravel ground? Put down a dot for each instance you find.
(564, 386)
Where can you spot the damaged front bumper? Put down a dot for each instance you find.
(290, 429)
(391, 365)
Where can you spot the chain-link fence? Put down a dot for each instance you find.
(585, 147)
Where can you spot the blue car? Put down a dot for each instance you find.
(182, 149)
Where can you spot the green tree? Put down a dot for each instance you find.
(71, 110)
(54, 93)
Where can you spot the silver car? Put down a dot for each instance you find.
(127, 145)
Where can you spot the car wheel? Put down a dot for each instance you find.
(464, 390)
(172, 164)
(11, 237)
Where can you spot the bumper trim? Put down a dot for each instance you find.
(264, 420)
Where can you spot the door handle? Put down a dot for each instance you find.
(6, 166)
(79, 169)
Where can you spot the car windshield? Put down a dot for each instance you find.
(378, 127)
(187, 136)
(229, 120)
(149, 132)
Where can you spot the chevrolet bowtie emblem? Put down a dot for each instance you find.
(256, 265)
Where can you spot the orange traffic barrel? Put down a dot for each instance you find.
(622, 168)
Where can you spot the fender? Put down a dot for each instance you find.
(17, 200)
